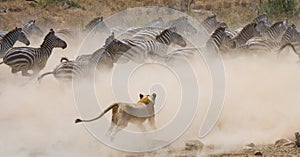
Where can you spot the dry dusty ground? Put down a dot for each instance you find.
(245, 98)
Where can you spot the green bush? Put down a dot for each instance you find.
(280, 7)
(71, 3)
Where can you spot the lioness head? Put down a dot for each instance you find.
(146, 99)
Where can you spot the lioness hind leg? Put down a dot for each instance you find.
(122, 123)
(142, 127)
(112, 126)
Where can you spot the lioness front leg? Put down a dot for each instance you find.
(152, 123)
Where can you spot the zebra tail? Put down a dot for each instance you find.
(105, 111)
(1, 62)
(43, 75)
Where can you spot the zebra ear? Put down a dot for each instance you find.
(141, 95)
(173, 29)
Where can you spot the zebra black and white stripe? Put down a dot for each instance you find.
(32, 29)
(248, 32)
(84, 65)
(263, 18)
(27, 58)
(140, 50)
(262, 44)
(218, 40)
(276, 31)
(181, 25)
(211, 23)
(97, 25)
(10, 39)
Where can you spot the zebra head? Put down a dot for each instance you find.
(263, 18)
(115, 49)
(182, 25)
(98, 24)
(169, 36)
(31, 28)
(21, 36)
(54, 40)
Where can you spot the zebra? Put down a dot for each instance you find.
(263, 18)
(218, 40)
(109, 54)
(10, 39)
(276, 31)
(211, 23)
(96, 23)
(181, 25)
(248, 32)
(84, 65)
(35, 59)
(32, 29)
(263, 44)
(140, 50)
(29, 29)
(66, 70)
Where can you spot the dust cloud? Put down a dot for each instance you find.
(261, 105)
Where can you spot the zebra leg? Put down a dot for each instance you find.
(25, 73)
(157, 57)
(14, 70)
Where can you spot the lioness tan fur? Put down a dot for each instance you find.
(123, 113)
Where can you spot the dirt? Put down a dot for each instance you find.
(61, 15)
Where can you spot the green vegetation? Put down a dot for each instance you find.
(70, 3)
(280, 8)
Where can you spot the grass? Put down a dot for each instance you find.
(76, 13)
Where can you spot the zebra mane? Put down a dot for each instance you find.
(93, 23)
(246, 28)
(262, 18)
(109, 39)
(51, 33)
(11, 32)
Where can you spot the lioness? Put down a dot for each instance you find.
(136, 113)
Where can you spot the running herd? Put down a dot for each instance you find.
(155, 41)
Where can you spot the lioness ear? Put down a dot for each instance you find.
(141, 95)
(154, 96)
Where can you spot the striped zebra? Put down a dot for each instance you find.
(10, 39)
(84, 65)
(67, 70)
(27, 58)
(248, 32)
(109, 54)
(32, 29)
(263, 18)
(181, 25)
(29, 29)
(96, 23)
(211, 23)
(140, 50)
(263, 44)
(276, 31)
(219, 41)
